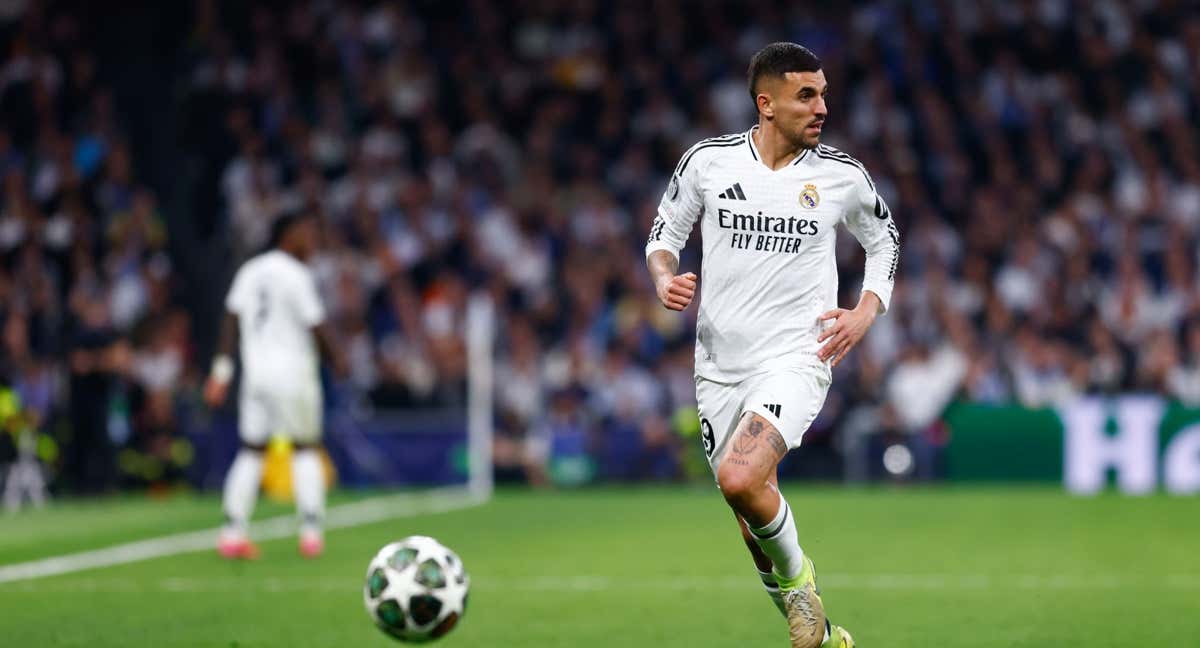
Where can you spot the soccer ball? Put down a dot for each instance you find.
(416, 589)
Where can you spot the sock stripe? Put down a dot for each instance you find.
(769, 533)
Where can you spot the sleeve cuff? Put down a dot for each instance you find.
(651, 248)
(884, 293)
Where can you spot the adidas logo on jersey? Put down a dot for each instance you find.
(733, 193)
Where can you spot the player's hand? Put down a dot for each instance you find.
(677, 293)
(215, 392)
(849, 327)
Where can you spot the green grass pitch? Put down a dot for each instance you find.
(994, 567)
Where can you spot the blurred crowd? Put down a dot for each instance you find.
(95, 343)
(1040, 158)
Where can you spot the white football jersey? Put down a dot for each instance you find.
(275, 299)
(769, 269)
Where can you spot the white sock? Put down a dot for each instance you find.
(308, 482)
(778, 539)
(772, 587)
(241, 489)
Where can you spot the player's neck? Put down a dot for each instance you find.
(290, 252)
(775, 149)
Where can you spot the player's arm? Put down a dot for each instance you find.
(310, 311)
(871, 223)
(330, 351)
(677, 212)
(674, 291)
(216, 388)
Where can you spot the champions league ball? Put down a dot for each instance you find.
(416, 589)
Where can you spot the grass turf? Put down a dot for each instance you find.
(646, 567)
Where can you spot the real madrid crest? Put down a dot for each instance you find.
(809, 198)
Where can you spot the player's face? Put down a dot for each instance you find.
(306, 238)
(797, 106)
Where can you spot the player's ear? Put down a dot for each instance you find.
(765, 106)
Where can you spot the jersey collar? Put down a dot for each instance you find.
(758, 158)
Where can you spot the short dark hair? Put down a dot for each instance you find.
(776, 60)
(285, 222)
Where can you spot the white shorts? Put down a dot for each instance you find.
(292, 411)
(788, 399)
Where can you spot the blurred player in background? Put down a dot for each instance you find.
(769, 330)
(274, 306)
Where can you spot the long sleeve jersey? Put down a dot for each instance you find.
(769, 268)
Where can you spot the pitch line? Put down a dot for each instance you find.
(375, 509)
(601, 584)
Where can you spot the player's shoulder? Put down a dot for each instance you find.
(249, 266)
(707, 149)
(278, 264)
(258, 265)
(836, 161)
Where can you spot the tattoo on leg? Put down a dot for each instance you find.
(747, 440)
(777, 441)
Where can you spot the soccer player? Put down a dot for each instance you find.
(769, 330)
(274, 308)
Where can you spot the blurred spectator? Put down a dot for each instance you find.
(98, 421)
(923, 384)
(1183, 378)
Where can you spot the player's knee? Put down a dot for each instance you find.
(737, 483)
